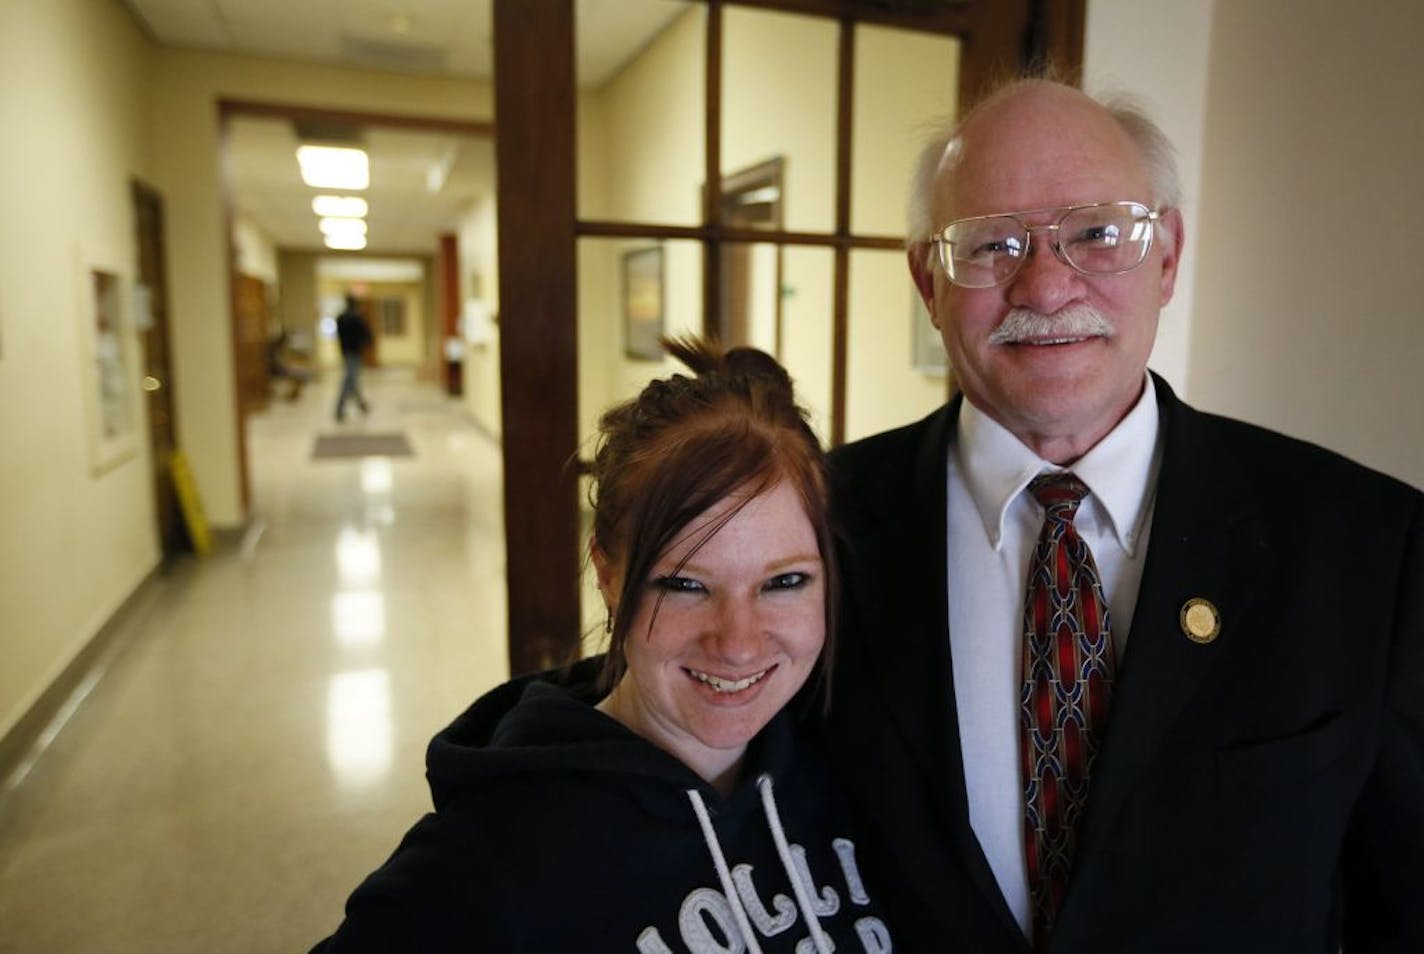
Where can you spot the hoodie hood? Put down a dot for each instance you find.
(549, 726)
(540, 796)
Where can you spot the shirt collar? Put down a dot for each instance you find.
(1119, 469)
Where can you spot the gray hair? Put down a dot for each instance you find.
(1156, 150)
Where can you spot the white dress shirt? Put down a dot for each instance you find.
(993, 527)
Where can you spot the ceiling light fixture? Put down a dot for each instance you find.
(340, 206)
(346, 243)
(334, 167)
(338, 226)
(343, 233)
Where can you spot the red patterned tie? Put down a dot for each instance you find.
(1067, 682)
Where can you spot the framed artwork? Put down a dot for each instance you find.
(926, 349)
(108, 359)
(643, 303)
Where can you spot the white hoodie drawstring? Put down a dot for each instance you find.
(783, 851)
(709, 836)
(778, 835)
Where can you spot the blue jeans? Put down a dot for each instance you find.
(350, 384)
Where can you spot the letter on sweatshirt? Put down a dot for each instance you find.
(757, 913)
(845, 851)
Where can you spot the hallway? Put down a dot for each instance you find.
(256, 744)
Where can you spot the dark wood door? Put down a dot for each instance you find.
(158, 366)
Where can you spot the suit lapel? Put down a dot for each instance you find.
(902, 599)
(905, 603)
(1204, 544)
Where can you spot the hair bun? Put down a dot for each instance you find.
(754, 363)
(703, 356)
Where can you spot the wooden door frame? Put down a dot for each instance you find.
(736, 257)
(539, 225)
(538, 343)
(172, 534)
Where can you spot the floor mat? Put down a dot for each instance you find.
(329, 446)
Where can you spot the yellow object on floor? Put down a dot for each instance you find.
(192, 505)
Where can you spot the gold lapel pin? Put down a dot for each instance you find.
(1201, 621)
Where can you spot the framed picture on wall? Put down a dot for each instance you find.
(643, 303)
(108, 357)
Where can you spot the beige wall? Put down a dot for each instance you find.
(1123, 51)
(479, 313)
(1287, 116)
(74, 541)
(1307, 318)
(905, 84)
(296, 271)
(627, 174)
(184, 90)
(256, 254)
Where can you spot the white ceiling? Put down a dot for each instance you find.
(404, 216)
(446, 37)
(440, 37)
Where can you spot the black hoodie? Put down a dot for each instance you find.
(557, 829)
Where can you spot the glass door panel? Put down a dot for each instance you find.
(750, 299)
(779, 101)
(905, 85)
(807, 309)
(629, 292)
(641, 144)
(892, 377)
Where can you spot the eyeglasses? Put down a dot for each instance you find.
(1106, 238)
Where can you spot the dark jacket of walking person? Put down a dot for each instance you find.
(354, 335)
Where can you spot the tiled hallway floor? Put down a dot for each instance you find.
(256, 744)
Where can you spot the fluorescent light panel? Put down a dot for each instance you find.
(331, 226)
(340, 206)
(334, 167)
(346, 243)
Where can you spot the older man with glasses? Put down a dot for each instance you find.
(1117, 675)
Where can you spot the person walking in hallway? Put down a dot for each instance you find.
(354, 334)
(1116, 675)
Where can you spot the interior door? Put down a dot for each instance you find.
(157, 366)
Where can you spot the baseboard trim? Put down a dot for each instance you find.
(32, 733)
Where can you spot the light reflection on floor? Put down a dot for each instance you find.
(258, 745)
(359, 731)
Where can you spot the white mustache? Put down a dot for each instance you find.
(1070, 321)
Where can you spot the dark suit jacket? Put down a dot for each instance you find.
(1260, 793)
